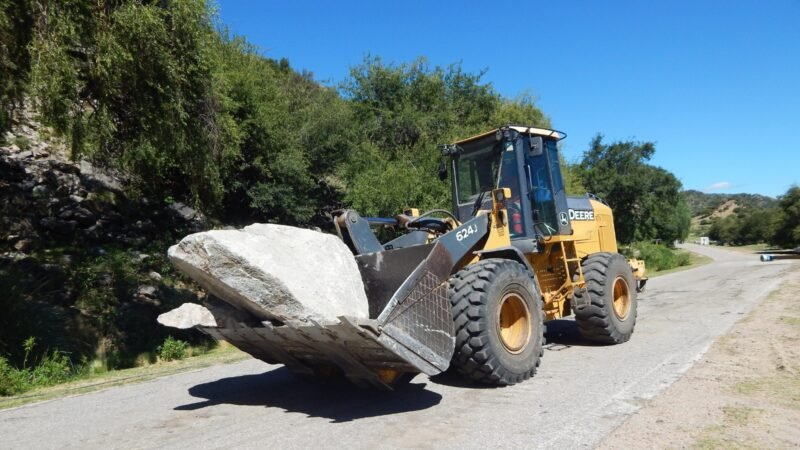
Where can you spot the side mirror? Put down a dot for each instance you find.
(442, 171)
(537, 146)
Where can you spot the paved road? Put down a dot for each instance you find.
(581, 393)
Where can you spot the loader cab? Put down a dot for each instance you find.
(524, 159)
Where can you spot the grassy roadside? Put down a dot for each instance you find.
(660, 259)
(223, 354)
(695, 260)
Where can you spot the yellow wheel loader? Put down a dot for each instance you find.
(469, 288)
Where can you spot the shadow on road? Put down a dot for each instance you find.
(344, 402)
(340, 403)
(454, 379)
(564, 333)
(561, 335)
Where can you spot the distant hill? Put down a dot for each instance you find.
(704, 205)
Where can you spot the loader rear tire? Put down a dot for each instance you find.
(610, 316)
(497, 310)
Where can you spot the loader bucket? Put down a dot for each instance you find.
(409, 328)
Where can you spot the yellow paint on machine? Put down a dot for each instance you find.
(558, 266)
(593, 236)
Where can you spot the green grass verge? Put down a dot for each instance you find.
(659, 257)
(223, 354)
(695, 260)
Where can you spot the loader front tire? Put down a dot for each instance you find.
(610, 315)
(497, 310)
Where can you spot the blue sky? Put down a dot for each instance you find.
(715, 84)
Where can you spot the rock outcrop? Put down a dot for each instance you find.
(47, 197)
(275, 272)
(82, 262)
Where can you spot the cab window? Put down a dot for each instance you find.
(542, 195)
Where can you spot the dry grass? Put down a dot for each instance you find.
(725, 209)
(744, 394)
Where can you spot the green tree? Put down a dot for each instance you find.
(571, 173)
(724, 230)
(131, 85)
(402, 113)
(786, 221)
(521, 110)
(646, 200)
(290, 135)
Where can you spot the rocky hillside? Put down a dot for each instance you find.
(703, 204)
(82, 264)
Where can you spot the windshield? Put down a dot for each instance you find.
(477, 172)
(484, 166)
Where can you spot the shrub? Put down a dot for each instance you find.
(172, 349)
(682, 258)
(657, 256)
(54, 368)
(12, 381)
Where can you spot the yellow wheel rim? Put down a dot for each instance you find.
(515, 323)
(622, 298)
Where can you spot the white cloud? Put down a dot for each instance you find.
(719, 186)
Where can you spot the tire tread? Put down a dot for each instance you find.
(594, 320)
(468, 294)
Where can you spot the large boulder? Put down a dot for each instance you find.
(275, 272)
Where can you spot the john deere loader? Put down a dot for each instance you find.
(469, 289)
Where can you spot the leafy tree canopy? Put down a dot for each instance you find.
(403, 112)
(646, 200)
(786, 219)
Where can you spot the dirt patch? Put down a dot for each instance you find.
(744, 393)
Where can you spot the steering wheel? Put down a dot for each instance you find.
(426, 222)
(433, 224)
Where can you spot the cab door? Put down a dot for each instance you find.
(547, 194)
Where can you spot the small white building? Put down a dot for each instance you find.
(704, 240)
